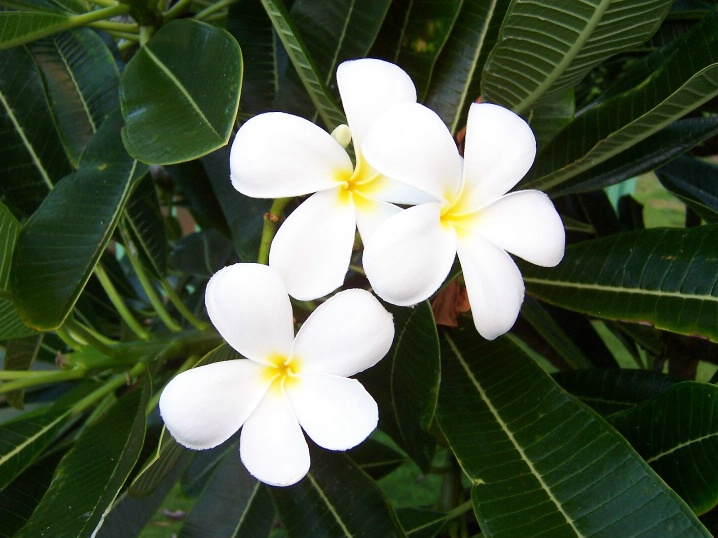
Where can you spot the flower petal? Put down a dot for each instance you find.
(249, 306)
(313, 247)
(336, 412)
(371, 213)
(277, 155)
(499, 149)
(205, 406)
(408, 257)
(272, 445)
(368, 87)
(524, 223)
(411, 144)
(347, 334)
(493, 284)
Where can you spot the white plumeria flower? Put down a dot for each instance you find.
(286, 383)
(277, 155)
(410, 254)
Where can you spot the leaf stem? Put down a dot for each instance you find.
(176, 10)
(214, 8)
(104, 3)
(181, 307)
(271, 223)
(111, 26)
(40, 378)
(111, 385)
(89, 336)
(119, 304)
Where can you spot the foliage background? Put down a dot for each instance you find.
(593, 417)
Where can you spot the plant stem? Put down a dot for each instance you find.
(176, 10)
(112, 384)
(89, 336)
(40, 378)
(271, 223)
(111, 26)
(145, 34)
(181, 307)
(104, 3)
(202, 15)
(119, 304)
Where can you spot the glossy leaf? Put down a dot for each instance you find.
(695, 182)
(456, 81)
(677, 434)
(539, 462)
(62, 242)
(232, 504)
(405, 383)
(610, 391)
(301, 60)
(146, 227)
(545, 48)
(11, 326)
(18, 27)
(665, 277)
(686, 79)
(24, 439)
(178, 106)
(645, 156)
(32, 157)
(81, 80)
(85, 486)
(335, 499)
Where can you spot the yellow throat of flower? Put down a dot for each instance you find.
(282, 372)
(359, 185)
(454, 213)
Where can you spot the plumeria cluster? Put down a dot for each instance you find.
(417, 204)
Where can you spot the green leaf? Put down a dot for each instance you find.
(177, 105)
(695, 182)
(201, 253)
(18, 27)
(376, 459)
(91, 474)
(677, 434)
(335, 499)
(545, 48)
(24, 439)
(168, 456)
(612, 390)
(647, 155)
(232, 504)
(306, 69)
(20, 354)
(662, 276)
(146, 227)
(551, 115)
(421, 522)
(420, 30)
(62, 242)
(456, 80)
(686, 79)
(539, 462)
(81, 80)
(32, 157)
(406, 382)
(11, 326)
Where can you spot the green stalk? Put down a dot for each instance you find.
(181, 307)
(214, 8)
(89, 336)
(40, 378)
(122, 27)
(119, 304)
(112, 384)
(271, 223)
(176, 10)
(70, 22)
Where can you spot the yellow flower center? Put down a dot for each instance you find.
(454, 213)
(359, 185)
(282, 371)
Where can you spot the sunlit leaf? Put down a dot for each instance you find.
(62, 242)
(665, 277)
(677, 434)
(540, 463)
(177, 105)
(545, 48)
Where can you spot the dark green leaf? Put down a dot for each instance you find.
(146, 228)
(335, 499)
(551, 115)
(456, 80)
(677, 434)
(545, 48)
(201, 253)
(32, 157)
(406, 382)
(685, 80)
(18, 27)
(301, 60)
(168, 456)
(91, 474)
(421, 522)
(81, 80)
(177, 105)
(20, 354)
(695, 182)
(540, 463)
(232, 504)
(376, 459)
(654, 151)
(665, 277)
(62, 242)
(613, 390)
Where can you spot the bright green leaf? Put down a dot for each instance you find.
(677, 434)
(545, 48)
(665, 277)
(177, 105)
(62, 242)
(539, 462)
(91, 474)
